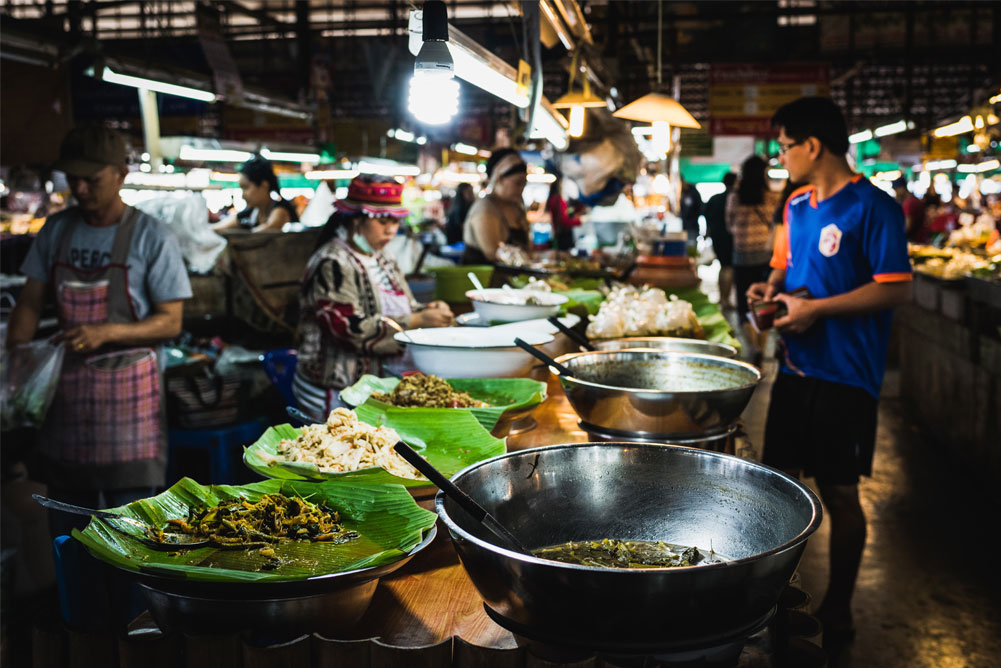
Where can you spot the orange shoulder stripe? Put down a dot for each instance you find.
(895, 277)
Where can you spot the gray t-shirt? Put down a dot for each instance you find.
(156, 266)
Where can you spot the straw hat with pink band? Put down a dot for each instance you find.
(374, 196)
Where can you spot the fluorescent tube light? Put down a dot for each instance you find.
(860, 137)
(225, 176)
(778, 174)
(988, 165)
(893, 128)
(111, 76)
(541, 178)
(557, 25)
(213, 154)
(368, 167)
(402, 135)
(940, 164)
(311, 158)
(464, 148)
(453, 177)
(331, 174)
(546, 126)
(965, 124)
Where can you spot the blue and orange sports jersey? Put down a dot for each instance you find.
(851, 238)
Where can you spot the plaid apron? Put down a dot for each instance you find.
(107, 407)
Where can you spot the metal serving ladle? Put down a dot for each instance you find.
(542, 357)
(172, 541)
(475, 510)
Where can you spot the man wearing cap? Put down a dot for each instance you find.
(354, 297)
(118, 279)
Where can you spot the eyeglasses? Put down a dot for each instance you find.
(784, 148)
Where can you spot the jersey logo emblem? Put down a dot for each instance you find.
(830, 240)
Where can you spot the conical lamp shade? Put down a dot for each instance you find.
(654, 107)
(578, 99)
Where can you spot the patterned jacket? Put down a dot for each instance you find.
(342, 332)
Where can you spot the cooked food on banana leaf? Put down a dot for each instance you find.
(274, 518)
(428, 391)
(344, 443)
(632, 311)
(610, 553)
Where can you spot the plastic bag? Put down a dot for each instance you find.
(29, 376)
(188, 217)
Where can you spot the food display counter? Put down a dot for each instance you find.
(950, 367)
(428, 613)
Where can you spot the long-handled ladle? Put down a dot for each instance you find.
(574, 336)
(172, 540)
(466, 502)
(542, 357)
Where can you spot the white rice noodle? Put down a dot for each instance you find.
(344, 443)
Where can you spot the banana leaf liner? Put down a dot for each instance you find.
(503, 395)
(388, 520)
(451, 439)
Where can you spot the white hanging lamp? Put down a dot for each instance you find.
(658, 109)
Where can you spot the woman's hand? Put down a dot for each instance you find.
(437, 314)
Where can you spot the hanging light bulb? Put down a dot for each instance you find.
(576, 121)
(434, 93)
(577, 102)
(661, 136)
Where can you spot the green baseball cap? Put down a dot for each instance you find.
(90, 148)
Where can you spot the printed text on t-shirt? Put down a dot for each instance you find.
(92, 258)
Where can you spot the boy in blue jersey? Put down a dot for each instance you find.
(844, 241)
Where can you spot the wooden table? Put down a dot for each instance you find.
(432, 599)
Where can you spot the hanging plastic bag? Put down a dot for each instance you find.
(29, 375)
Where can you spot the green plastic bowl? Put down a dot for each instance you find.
(451, 283)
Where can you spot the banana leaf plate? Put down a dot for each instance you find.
(392, 529)
(450, 441)
(505, 395)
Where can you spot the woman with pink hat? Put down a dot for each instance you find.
(354, 297)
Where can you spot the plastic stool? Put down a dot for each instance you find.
(280, 366)
(91, 594)
(218, 443)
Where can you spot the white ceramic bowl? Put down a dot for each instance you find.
(561, 343)
(471, 352)
(491, 304)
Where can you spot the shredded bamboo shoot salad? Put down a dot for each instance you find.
(345, 443)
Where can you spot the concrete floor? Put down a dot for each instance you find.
(928, 593)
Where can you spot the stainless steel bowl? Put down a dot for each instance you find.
(672, 343)
(324, 604)
(657, 393)
(755, 516)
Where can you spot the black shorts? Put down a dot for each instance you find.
(825, 429)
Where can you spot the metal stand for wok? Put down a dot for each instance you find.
(719, 440)
(717, 651)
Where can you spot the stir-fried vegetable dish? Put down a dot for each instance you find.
(609, 553)
(419, 390)
(274, 518)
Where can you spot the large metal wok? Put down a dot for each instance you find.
(656, 393)
(755, 516)
(672, 343)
